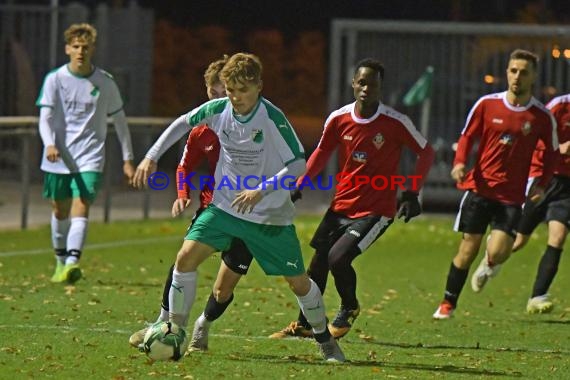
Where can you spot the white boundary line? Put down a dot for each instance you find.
(113, 244)
(125, 332)
(231, 336)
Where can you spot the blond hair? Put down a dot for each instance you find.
(82, 31)
(212, 74)
(242, 68)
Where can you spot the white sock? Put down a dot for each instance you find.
(59, 231)
(313, 307)
(76, 238)
(163, 317)
(202, 321)
(181, 296)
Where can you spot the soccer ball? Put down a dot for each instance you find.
(165, 341)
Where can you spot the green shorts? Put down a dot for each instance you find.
(276, 248)
(75, 185)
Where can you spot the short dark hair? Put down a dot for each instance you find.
(526, 55)
(371, 64)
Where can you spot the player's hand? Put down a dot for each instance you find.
(296, 195)
(144, 170)
(565, 148)
(129, 171)
(246, 200)
(52, 153)
(458, 173)
(180, 205)
(535, 194)
(409, 206)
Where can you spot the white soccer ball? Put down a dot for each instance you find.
(165, 341)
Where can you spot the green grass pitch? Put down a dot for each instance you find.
(82, 331)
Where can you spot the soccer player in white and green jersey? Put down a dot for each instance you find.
(257, 142)
(75, 101)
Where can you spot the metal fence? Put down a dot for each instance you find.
(20, 150)
(31, 42)
(470, 61)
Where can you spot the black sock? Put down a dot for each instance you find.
(214, 309)
(546, 270)
(165, 305)
(319, 269)
(455, 280)
(345, 282)
(323, 337)
(303, 321)
(61, 254)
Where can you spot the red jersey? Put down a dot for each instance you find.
(202, 143)
(560, 109)
(507, 137)
(368, 147)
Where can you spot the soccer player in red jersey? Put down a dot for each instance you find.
(370, 137)
(554, 208)
(508, 126)
(203, 144)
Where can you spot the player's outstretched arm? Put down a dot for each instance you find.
(144, 170)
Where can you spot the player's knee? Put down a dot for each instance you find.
(61, 214)
(340, 258)
(61, 209)
(184, 262)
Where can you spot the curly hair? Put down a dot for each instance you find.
(242, 68)
(212, 74)
(82, 31)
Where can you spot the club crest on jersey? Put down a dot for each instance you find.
(257, 135)
(359, 157)
(378, 141)
(94, 91)
(506, 139)
(526, 128)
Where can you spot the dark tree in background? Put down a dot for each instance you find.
(294, 71)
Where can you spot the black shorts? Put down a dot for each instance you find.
(366, 230)
(555, 205)
(237, 257)
(477, 212)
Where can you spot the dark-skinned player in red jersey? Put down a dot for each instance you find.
(508, 126)
(370, 137)
(554, 208)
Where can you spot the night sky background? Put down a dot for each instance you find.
(291, 16)
(294, 15)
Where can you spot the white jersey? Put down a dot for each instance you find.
(253, 148)
(80, 106)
